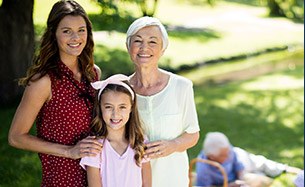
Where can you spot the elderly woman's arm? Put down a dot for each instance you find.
(162, 148)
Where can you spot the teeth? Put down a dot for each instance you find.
(74, 45)
(144, 55)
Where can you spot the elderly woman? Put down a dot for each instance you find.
(166, 104)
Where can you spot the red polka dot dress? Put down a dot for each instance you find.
(65, 119)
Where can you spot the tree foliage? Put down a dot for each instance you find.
(293, 9)
(147, 7)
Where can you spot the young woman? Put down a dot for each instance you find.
(59, 97)
(121, 162)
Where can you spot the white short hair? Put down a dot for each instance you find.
(213, 142)
(145, 22)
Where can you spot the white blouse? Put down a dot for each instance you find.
(166, 115)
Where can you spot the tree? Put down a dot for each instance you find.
(16, 46)
(147, 7)
(144, 5)
(275, 8)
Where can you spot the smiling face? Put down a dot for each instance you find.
(146, 46)
(116, 107)
(71, 36)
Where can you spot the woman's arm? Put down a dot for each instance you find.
(146, 175)
(35, 95)
(93, 175)
(162, 148)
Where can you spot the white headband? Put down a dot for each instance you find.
(115, 79)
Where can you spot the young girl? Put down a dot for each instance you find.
(121, 162)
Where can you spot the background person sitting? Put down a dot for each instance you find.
(241, 166)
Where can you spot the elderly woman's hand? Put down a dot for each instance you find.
(160, 148)
(86, 147)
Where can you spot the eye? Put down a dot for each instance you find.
(153, 42)
(82, 30)
(137, 41)
(107, 107)
(66, 31)
(123, 107)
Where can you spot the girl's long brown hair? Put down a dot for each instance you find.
(48, 57)
(134, 132)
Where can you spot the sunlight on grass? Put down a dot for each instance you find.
(274, 82)
(285, 180)
(117, 39)
(295, 57)
(288, 154)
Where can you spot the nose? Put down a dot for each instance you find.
(115, 113)
(74, 35)
(143, 45)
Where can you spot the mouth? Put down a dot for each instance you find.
(74, 45)
(144, 56)
(115, 121)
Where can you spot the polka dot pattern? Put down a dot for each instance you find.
(65, 119)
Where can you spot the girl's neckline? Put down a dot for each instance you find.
(123, 155)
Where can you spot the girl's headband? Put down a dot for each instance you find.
(115, 79)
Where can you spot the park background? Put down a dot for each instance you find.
(247, 68)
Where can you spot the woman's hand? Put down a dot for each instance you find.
(86, 147)
(160, 148)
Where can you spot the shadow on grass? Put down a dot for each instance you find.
(112, 61)
(110, 22)
(186, 33)
(18, 167)
(258, 3)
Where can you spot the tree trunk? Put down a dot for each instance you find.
(16, 46)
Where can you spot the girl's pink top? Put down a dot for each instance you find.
(116, 170)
